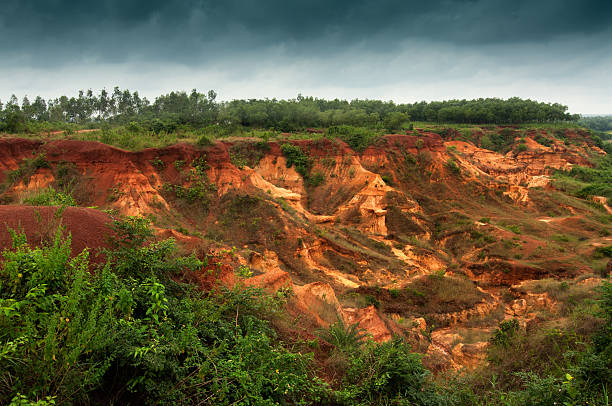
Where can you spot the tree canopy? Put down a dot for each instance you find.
(198, 109)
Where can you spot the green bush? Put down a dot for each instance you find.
(342, 337)
(295, 156)
(27, 168)
(248, 153)
(587, 181)
(397, 121)
(315, 179)
(452, 166)
(505, 333)
(601, 252)
(521, 148)
(388, 179)
(498, 142)
(48, 197)
(204, 141)
(387, 373)
(542, 140)
(515, 228)
(132, 334)
(358, 138)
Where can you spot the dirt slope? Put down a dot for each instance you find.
(415, 235)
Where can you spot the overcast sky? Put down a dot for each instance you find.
(401, 50)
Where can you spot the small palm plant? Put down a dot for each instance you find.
(343, 337)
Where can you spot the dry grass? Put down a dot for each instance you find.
(427, 295)
(568, 294)
(472, 335)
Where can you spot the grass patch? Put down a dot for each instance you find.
(248, 153)
(47, 197)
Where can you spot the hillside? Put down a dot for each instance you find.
(428, 236)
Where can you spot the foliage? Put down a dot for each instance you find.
(344, 338)
(452, 166)
(358, 138)
(565, 363)
(248, 153)
(542, 140)
(27, 168)
(387, 373)
(48, 197)
(158, 163)
(521, 147)
(197, 192)
(596, 181)
(498, 141)
(506, 331)
(598, 123)
(315, 179)
(296, 157)
(603, 251)
(396, 121)
(130, 333)
(179, 111)
(68, 334)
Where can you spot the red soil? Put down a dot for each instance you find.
(88, 228)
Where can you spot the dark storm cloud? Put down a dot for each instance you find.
(196, 31)
(549, 50)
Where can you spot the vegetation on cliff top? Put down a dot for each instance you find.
(196, 110)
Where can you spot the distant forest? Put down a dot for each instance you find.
(597, 123)
(196, 109)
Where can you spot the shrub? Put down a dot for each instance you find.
(601, 252)
(130, 333)
(134, 127)
(516, 229)
(48, 197)
(27, 168)
(248, 153)
(437, 293)
(204, 141)
(388, 179)
(521, 148)
(505, 333)
(358, 138)
(387, 373)
(344, 338)
(179, 164)
(303, 164)
(14, 122)
(315, 179)
(540, 139)
(499, 142)
(197, 192)
(452, 166)
(397, 121)
(295, 156)
(158, 163)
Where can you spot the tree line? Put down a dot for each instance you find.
(198, 109)
(597, 123)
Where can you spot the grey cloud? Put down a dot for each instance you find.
(198, 31)
(550, 50)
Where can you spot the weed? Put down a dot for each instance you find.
(48, 197)
(179, 164)
(158, 163)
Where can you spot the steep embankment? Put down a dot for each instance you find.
(423, 236)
